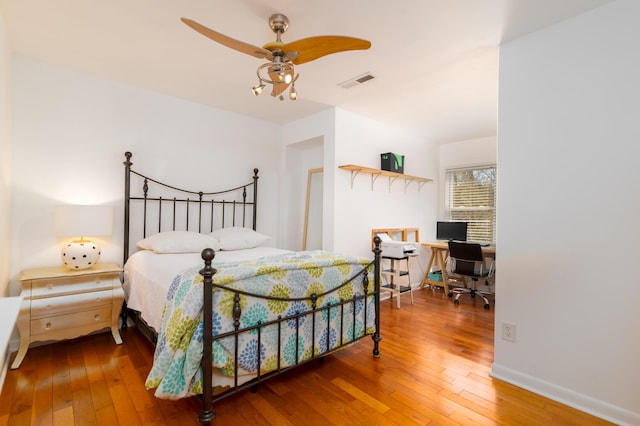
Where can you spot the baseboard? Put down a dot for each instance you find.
(604, 410)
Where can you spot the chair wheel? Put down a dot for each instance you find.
(456, 302)
(486, 306)
(450, 294)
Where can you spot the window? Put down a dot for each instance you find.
(470, 196)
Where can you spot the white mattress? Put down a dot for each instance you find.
(148, 275)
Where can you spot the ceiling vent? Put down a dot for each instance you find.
(361, 79)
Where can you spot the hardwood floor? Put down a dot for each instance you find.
(433, 369)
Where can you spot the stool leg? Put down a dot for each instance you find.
(409, 281)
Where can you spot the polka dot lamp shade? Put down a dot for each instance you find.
(82, 221)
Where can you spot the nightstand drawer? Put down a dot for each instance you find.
(59, 286)
(72, 302)
(77, 319)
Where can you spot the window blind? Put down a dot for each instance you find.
(470, 196)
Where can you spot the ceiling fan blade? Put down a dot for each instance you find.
(313, 48)
(240, 46)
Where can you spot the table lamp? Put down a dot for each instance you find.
(81, 222)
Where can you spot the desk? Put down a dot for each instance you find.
(439, 253)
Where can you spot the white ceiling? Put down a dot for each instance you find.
(435, 61)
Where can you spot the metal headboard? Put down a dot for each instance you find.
(168, 208)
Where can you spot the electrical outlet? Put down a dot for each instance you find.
(508, 332)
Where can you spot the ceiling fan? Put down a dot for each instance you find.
(279, 70)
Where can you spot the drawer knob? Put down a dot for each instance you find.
(49, 286)
(47, 326)
(49, 306)
(96, 317)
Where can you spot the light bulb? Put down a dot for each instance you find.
(257, 89)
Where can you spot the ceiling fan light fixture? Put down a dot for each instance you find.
(293, 94)
(275, 73)
(278, 74)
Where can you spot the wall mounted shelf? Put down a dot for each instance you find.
(376, 173)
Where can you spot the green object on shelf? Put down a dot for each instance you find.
(435, 276)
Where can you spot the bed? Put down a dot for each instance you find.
(225, 310)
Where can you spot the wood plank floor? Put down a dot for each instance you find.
(434, 369)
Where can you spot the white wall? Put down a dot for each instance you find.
(70, 132)
(5, 158)
(350, 214)
(357, 210)
(5, 187)
(300, 158)
(569, 168)
(468, 153)
(306, 134)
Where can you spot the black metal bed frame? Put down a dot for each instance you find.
(204, 199)
(239, 213)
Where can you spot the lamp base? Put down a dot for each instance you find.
(80, 254)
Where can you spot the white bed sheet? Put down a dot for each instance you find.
(148, 275)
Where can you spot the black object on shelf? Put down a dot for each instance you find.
(392, 162)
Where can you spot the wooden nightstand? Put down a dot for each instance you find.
(59, 303)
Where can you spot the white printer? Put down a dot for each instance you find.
(398, 249)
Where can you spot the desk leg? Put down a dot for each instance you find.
(425, 278)
(443, 270)
(436, 256)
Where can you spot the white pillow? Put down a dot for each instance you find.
(178, 242)
(238, 238)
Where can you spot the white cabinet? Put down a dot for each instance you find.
(9, 308)
(59, 303)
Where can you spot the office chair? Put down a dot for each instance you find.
(467, 260)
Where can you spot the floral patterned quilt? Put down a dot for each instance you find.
(176, 371)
